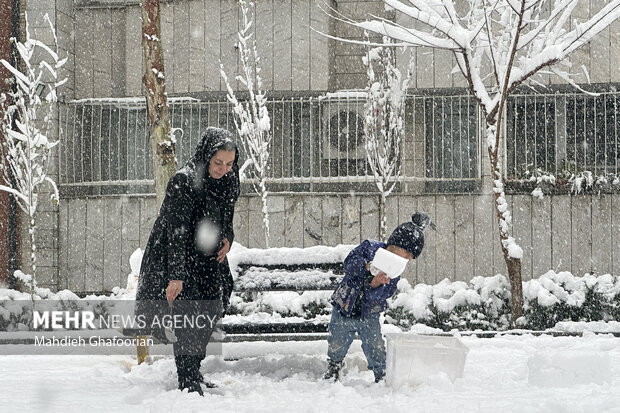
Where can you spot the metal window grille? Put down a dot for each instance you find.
(451, 139)
(562, 133)
(316, 140)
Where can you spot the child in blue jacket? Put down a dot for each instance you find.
(361, 296)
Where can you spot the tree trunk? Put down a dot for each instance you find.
(516, 286)
(382, 218)
(33, 255)
(162, 146)
(513, 265)
(263, 196)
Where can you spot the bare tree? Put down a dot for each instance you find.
(498, 45)
(384, 122)
(162, 140)
(27, 148)
(252, 117)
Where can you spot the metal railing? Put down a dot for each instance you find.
(315, 139)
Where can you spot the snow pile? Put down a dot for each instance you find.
(307, 305)
(415, 301)
(313, 255)
(592, 326)
(552, 288)
(260, 277)
(568, 368)
(129, 292)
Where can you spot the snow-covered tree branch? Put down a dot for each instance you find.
(25, 125)
(384, 122)
(498, 45)
(252, 117)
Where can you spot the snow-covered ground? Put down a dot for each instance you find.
(502, 374)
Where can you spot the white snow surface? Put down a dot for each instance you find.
(256, 277)
(313, 255)
(507, 374)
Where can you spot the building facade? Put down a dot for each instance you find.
(321, 190)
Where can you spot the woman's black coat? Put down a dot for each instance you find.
(192, 198)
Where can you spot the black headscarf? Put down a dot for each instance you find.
(227, 188)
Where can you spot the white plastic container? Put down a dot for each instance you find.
(391, 264)
(412, 359)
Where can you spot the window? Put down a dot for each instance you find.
(530, 135)
(557, 133)
(592, 125)
(451, 144)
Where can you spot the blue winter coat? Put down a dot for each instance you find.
(374, 299)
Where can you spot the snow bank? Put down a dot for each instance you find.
(286, 376)
(313, 255)
(568, 368)
(256, 277)
(591, 326)
(307, 305)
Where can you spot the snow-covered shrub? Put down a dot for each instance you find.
(16, 308)
(556, 297)
(482, 304)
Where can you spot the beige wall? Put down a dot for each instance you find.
(198, 33)
(573, 233)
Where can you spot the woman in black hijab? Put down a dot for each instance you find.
(185, 261)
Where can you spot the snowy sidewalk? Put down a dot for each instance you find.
(502, 374)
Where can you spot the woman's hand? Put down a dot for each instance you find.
(173, 290)
(379, 279)
(221, 254)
